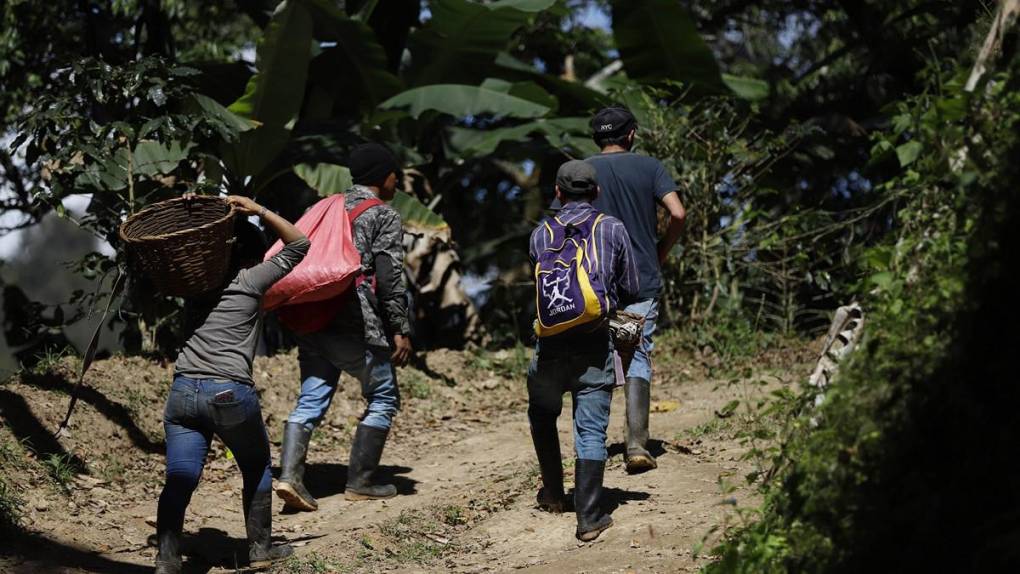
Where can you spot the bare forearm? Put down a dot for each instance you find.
(283, 228)
(677, 215)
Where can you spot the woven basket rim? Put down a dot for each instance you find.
(162, 205)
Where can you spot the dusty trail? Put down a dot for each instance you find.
(460, 455)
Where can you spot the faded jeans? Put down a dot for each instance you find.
(641, 365)
(589, 377)
(320, 374)
(190, 420)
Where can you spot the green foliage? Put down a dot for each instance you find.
(275, 92)
(155, 133)
(10, 507)
(10, 501)
(742, 259)
(658, 41)
(889, 471)
(461, 100)
(464, 37)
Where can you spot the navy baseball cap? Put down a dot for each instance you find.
(613, 122)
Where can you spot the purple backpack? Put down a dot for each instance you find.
(570, 291)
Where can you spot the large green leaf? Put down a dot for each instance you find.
(415, 214)
(355, 70)
(525, 90)
(559, 132)
(274, 94)
(461, 40)
(658, 41)
(746, 88)
(152, 157)
(325, 178)
(573, 97)
(212, 109)
(460, 101)
(329, 179)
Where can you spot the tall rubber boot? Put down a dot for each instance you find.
(591, 521)
(547, 447)
(259, 525)
(365, 454)
(291, 487)
(638, 459)
(168, 560)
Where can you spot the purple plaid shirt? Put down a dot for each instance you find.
(612, 245)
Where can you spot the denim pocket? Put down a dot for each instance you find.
(177, 403)
(231, 413)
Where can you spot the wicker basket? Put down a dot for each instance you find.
(183, 246)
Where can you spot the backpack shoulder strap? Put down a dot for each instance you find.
(363, 207)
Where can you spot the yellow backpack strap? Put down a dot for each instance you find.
(595, 244)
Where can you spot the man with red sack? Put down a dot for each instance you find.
(366, 338)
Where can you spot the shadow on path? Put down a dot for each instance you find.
(115, 412)
(328, 479)
(613, 498)
(655, 447)
(17, 416)
(39, 554)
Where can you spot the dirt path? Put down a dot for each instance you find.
(463, 463)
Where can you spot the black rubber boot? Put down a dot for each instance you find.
(168, 560)
(638, 459)
(291, 487)
(547, 447)
(259, 525)
(365, 454)
(591, 521)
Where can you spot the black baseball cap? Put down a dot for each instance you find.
(612, 122)
(576, 177)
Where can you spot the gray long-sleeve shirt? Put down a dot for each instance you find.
(223, 347)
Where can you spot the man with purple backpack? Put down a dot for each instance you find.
(583, 271)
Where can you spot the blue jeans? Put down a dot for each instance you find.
(190, 420)
(641, 365)
(589, 378)
(320, 373)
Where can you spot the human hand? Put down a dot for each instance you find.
(402, 350)
(244, 205)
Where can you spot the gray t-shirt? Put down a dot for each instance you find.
(631, 186)
(223, 347)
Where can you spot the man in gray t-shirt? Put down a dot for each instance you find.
(633, 186)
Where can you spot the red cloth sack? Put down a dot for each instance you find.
(332, 263)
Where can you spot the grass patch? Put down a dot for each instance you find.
(60, 469)
(716, 427)
(112, 469)
(49, 361)
(10, 502)
(509, 363)
(311, 563)
(416, 384)
(420, 536)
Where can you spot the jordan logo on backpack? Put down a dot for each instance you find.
(569, 288)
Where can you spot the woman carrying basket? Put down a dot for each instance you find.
(213, 391)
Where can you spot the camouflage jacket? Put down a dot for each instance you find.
(380, 309)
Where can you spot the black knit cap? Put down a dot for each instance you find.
(612, 122)
(372, 163)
